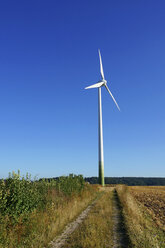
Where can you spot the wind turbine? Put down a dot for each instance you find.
(98, 85)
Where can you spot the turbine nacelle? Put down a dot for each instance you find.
(103, 81)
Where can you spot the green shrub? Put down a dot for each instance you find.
(21, 195)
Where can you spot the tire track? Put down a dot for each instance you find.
(70, 228)
(120, 235)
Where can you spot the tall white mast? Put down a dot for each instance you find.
(100, 135)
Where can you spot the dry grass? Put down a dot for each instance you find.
(41, 227)
(97, 230)
(142, 229)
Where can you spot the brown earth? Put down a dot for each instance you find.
(153, 198)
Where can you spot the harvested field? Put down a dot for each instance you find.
(153, 198)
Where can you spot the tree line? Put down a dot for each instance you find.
(130, 181)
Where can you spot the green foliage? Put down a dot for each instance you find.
(71, 184)
(19, 195)
(22, 195)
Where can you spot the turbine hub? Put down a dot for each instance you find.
(103, 81)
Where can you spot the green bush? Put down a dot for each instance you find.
(71, 184)
(21, 195)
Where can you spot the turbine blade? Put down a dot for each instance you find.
(95, 85)
(112, 96)
(101, 66)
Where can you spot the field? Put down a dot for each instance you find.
(33, 213)
(153, 198)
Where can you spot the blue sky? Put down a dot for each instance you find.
(49, 54)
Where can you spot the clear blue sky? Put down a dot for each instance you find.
(48, 54)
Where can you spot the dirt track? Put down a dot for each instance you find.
(120, 237)
(70, 228)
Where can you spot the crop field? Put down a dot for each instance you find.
(67, 213)
(153, 198)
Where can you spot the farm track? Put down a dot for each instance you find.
(120, 235)
(70, 228)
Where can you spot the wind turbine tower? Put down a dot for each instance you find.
(98, 85)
